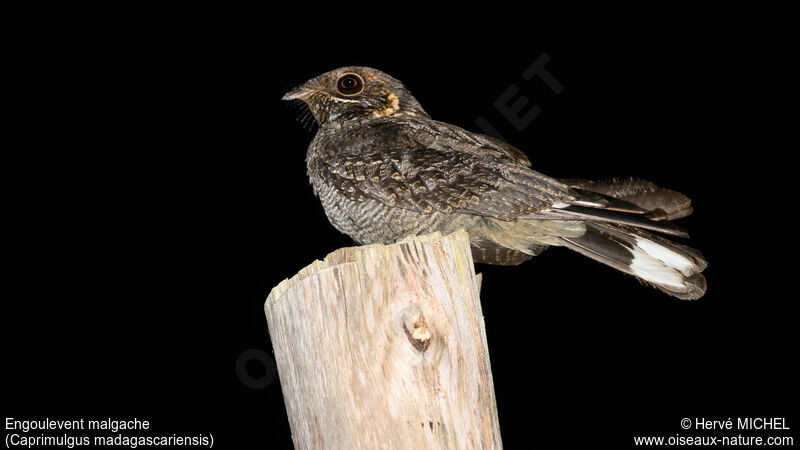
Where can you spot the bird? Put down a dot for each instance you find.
(384, 170)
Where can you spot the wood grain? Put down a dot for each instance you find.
(384, 346)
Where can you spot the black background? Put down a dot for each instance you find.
(159, 192)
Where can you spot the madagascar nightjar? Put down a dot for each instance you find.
(384, 170)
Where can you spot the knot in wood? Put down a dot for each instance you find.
(416, 329)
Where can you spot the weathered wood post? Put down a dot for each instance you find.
(384, 346)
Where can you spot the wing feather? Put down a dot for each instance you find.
(430, 168)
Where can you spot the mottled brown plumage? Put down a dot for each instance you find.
(384, 170)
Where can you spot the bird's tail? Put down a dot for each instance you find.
(673, 268)
(618, 216)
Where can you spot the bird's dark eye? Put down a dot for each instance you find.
(350, 84)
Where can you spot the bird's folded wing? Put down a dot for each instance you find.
(644, 194)
(441, 135)
(395, 168)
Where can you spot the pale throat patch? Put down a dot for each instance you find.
(392, 109)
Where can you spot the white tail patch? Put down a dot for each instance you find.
(669, 257)
(661, 265)
(655, 271)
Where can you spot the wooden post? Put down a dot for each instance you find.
(384, 346)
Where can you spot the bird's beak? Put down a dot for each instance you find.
(298, 93)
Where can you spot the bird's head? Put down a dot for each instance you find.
(355, 92)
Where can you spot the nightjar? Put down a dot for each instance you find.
(384, 170)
